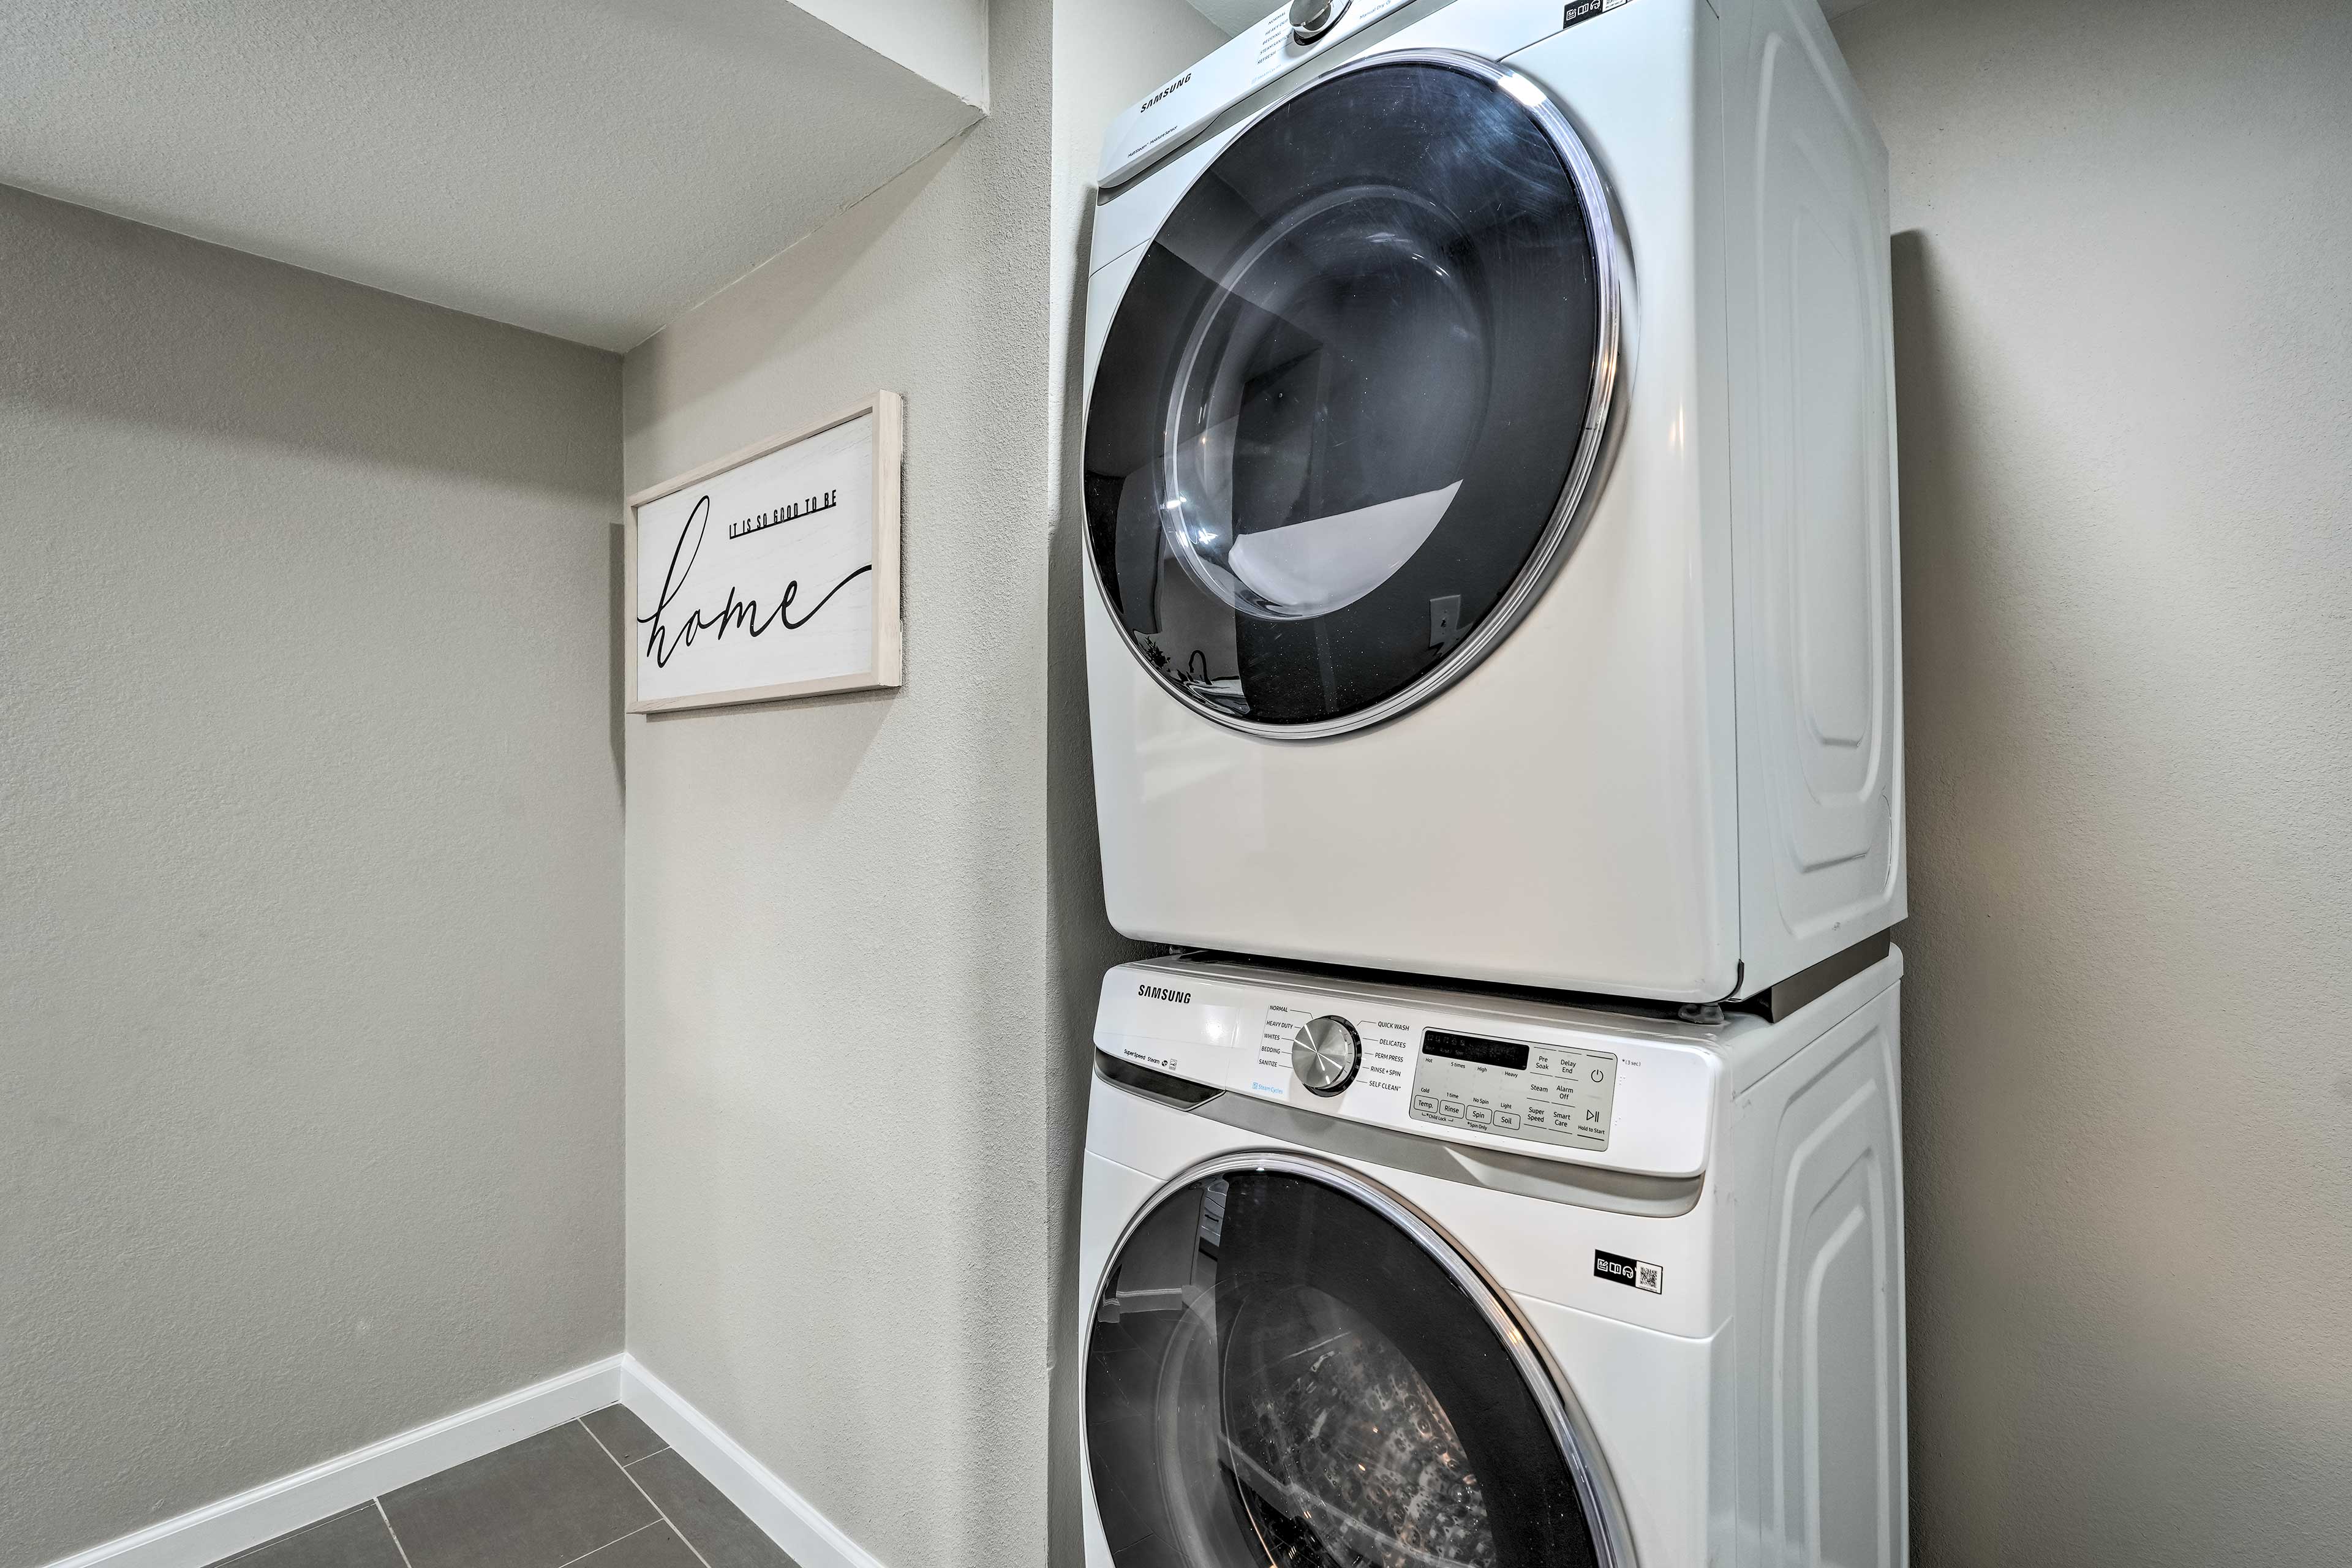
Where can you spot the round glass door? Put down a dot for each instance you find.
(1288, 1367)
(1350, 410)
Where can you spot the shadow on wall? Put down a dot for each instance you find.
(1085, 944)
(681, 368)
(618, 633)
(1924, 432)
(2119, 1352)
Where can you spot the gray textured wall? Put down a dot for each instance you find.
(852, 920)
(836, 907)
(310, 947)
(2124, 360)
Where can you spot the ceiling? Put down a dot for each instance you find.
(587, 168)
(1231, 16)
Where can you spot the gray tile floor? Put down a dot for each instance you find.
(600, 1492)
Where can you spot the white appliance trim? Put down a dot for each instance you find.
(791, 1520)
(262, 1513)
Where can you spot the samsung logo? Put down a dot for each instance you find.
(1163, 92)
(1162, 994)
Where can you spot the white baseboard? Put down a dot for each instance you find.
(209, 1534)
(234, 1523)
(791, 1520)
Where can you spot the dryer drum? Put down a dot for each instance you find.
(1287, 1365)
(1350, 408)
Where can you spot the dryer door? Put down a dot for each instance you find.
(1350, 412)
(1289, 1366)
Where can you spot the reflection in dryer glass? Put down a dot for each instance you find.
(1277, 1375)
(1341, 397)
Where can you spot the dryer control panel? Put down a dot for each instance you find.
(1629, 1091)
(1256, 56)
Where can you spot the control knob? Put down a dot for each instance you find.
(1325, 1055)
(1310, 19)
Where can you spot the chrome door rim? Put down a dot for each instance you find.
(1603, 418)
(1571, 1430)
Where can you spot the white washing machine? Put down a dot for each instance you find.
(1381, 1277)
(1490, 498)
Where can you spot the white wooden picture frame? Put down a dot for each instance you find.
(772, 573)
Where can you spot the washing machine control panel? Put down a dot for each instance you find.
(1558, 1094)
(1634, 1093)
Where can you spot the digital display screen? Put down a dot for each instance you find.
(1471, 1048)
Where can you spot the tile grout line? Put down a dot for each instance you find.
(641, 1458)
(396, 1546)
(658, 1508)
(618, 1539)
(235, 1557)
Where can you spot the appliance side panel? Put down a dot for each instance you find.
(1811, 319)
(1708, 439)
(1727, 1434)
(1723, 1444)
(1897, 907)
(1820, 1321)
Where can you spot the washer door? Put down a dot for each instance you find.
(1349, 412)
(1287, 1365)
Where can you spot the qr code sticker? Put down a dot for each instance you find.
(1649, 1276)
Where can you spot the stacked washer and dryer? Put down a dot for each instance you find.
(1493, 660)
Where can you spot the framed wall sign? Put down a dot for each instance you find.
(772, 572)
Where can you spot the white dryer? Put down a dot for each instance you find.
(1490, 498)
(1381, 1277)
